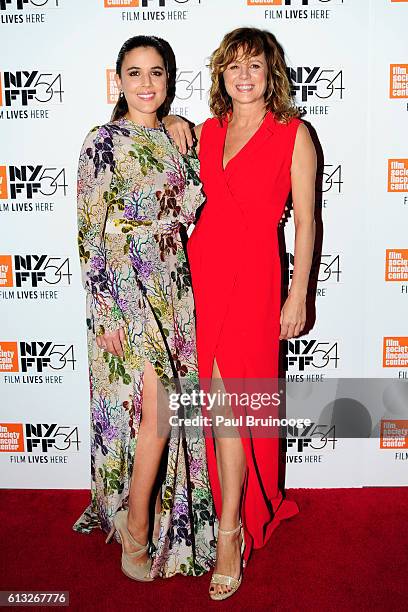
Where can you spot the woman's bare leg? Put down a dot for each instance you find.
(231, 465)
(149, 451)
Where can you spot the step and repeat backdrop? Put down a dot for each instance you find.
(348, 61)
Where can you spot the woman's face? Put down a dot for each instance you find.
(143, 80)
(246, 78)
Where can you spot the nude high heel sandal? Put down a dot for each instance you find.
(136, 572)
(230, 581)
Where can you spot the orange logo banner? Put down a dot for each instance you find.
(395, 352)
(121, 3)
(396, 265)
(11, 438)
(112, 91)
(6, 271)
(399, 81)
(3, 183)
(264, 2)
(394, 434)
(8, 357)
(397, 175)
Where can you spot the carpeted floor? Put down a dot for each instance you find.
(347, 550)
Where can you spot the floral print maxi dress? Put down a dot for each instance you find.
(134, 191)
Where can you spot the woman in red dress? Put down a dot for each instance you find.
(253, 152)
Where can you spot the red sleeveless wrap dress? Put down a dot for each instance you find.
(236, 275)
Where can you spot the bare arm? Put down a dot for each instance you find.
(303, 174)
(303, 178)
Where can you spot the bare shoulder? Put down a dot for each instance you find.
(304, 147)
(302, 134)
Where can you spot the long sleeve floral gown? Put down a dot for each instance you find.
(134, 192)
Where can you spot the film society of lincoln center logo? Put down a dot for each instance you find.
(397, 175)
(38, 437)
(149, 3)
(395, 352)
(189, 83)
(36, 356)
(394, 434)
(399, 81)
(396, 265)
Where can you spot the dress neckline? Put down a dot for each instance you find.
(245, 146)
(142, 127)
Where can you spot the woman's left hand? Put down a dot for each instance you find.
(293, 317)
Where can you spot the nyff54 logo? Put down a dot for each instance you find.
(315, 437)
(43, 437)
(20, 270)
(30, 87)
(324, 269)
(331, 178)
(312, 81)
(36, 356)
(20, 5)
(51, 436)
(27, 181)
(188, 83)
(311, 354)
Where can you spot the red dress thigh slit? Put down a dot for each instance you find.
(236, 276)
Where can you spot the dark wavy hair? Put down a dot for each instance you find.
(166, 53)
(252, 41)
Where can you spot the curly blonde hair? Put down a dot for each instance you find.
(252, 42)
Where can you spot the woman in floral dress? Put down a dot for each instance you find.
(135, 194)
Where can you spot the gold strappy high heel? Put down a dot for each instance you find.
(230, 581)
(136, 572)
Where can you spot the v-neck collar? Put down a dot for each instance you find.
(265, 128)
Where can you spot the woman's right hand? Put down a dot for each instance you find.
(180, 131)
(112, 342)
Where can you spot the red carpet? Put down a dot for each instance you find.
(346, 550)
